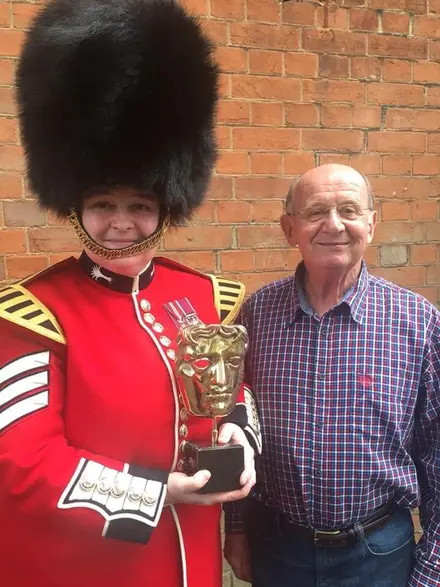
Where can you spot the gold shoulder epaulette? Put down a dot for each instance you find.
(19, 306)
(228, 296)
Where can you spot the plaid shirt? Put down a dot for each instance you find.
(349, 406)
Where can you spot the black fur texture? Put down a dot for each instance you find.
(118, 93)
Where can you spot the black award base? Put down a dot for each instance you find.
(225, 463)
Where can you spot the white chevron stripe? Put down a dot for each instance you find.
(23, 408)
(23, 364)
(22, 386)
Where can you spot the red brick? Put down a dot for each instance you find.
(401, 187)
(204, 214)
(335, 116)
(302, 114)
(423, 254)
(332, 17)
(331, 41)
(424, 210)
(433, 233)
(368, 163)
(223, 136)
(273, 259)
(399, 232)
(246, 34)
(366, 116)
(269, 211)
(298, 163)
(301, 64)
(263, 10)
(199, 260)
(224, 86)
(10, 42)
(23, 213)
(199, 7)
(392, 46)
(192, 237)
(402, 94)
(266, 88)
(371, 256)
(254, 281)
(302, 13)
(6, 72)
(426, 165)
(427, 72)
(56, 258)
(266, 139)
(434, 143)
(434, 6)
(332, 140)
(11, 186)
(266, 163)
(267, 113)
(12, 241)
(7, 103)
(396, 164)
(433, 97)
(427, 119)
(42, 240)
(231, 59)
(232, 163)
(326, 158)
(220, 188)
(11, 158)
(395, 211)
(270, 62)
(216, 30)
(24, 14)
(416, 6)
(396, 142)
(236, 261)
(431, 294)
(399, 118)
(426, 26)
(434, 50)
(252, 188)
(363, 20)
(8, 130)
(388, 4)
(233, 212)
(333, 91)
(233, 112)
(334, 66)
(366, 68)
(18, 267)
(403, 276)
(230, 9)
(393, 22)
(396, 70)
(260, 236)
(5, 14)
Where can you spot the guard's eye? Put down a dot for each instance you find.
(201, 364)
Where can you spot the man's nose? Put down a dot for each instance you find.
(333, 221)
(121, 220)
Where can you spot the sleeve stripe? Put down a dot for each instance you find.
(23, 408)
(23, 364)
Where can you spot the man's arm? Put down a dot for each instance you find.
(426, 454)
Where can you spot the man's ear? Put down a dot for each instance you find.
(286, 222)
(372, 220)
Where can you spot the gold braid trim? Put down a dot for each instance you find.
(130, 251)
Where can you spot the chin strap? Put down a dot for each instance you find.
(147, 244)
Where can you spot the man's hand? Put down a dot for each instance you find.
(233, 433)
(237, 553)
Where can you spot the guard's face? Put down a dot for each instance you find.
(212, 372)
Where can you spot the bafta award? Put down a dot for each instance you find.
(210, 363)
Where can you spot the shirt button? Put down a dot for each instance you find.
(324, 331)
(318, 473)
(319, 423)
(321, 376)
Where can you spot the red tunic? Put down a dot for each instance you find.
(108, 397)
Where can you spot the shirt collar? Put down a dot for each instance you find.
(354, 300)
(115, 281)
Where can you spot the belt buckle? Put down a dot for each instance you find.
(322, 534)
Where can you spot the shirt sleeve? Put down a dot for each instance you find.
(426, 455)
(42, 474)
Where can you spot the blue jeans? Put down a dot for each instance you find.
(383, 558)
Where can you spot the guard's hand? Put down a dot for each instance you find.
(233, 433)
(237, 553)
(182, 488)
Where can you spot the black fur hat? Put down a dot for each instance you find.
(118, 92)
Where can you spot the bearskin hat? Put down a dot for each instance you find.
(116, 93)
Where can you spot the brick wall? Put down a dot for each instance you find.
(303, 83)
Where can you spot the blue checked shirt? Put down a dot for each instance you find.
(349, 406)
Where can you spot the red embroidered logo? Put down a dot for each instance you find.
(365, 380)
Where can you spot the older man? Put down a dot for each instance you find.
(346, 368)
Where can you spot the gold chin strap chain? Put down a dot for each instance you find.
(130, 251)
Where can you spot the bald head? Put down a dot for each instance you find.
(329, 175)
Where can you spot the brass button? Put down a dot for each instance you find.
(165, 341)
(134, 495)
(145, 305)
(182, 445)
(149, 318)
(183, 431)
(171, 354)
(184, 414)
(87, 484)
(157, 327)
(181, 465)
(149, 499)
(104, 486)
